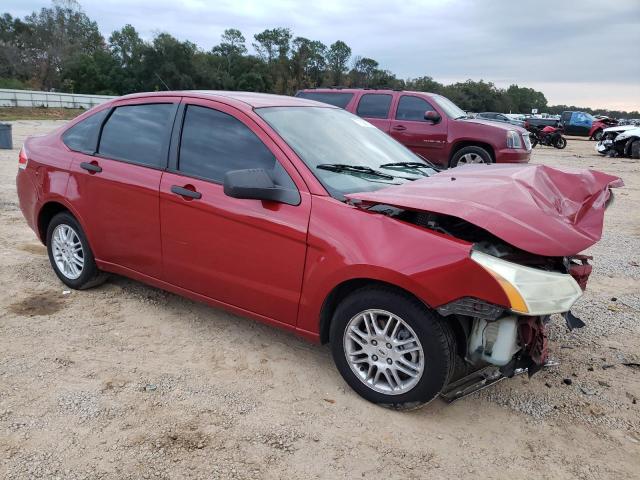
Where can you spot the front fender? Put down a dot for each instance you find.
(346, 243)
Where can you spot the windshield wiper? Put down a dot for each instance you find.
(412, 166)
(461, 117)
(359, 169)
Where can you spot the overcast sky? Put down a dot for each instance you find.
(579, 52)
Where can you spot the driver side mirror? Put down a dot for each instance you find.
(432, 116)
(257, 184)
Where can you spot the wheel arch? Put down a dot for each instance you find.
(49, 210)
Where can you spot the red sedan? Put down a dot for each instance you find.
(304, 216)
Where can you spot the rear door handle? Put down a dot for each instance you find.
(91, 167)
(185, 192)
(399, 128)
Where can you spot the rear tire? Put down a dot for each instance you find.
(470, 155)
(70, 254)
(373, 362)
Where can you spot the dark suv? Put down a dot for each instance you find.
(431, 125)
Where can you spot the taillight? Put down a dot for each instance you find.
(22, 159)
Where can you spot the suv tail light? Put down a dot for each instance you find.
(22, 159)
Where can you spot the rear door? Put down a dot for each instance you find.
(245, 253)
(421, 136)
(116, 189)
(375, 108)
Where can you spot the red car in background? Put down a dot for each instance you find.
(306, 217)
(431, 125)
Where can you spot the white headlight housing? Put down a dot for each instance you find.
(531, 291)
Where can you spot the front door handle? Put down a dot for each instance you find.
(185, 192)
(399, 128)
(91, 167)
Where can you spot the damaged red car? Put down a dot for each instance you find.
(306, 217)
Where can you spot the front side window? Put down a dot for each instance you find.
(413, 108)
(214, 143)
(138, 134)
(83, 136)
(450, 108)
(374, 105)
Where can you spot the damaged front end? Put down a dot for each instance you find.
(526, 226)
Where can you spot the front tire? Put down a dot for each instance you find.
(597, 135)
(391, 349)
(70, 254)
(470, 155)
(560, 143)
(635, 149)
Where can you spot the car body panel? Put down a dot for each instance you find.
(347, 243)
(536, 208)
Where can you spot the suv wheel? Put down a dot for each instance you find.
(469, 155)
(390, 348)
(70, 254)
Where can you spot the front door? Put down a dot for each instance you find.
(423, 137)
(117, 187)
(245, 253)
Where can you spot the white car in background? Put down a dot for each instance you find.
(621, 141)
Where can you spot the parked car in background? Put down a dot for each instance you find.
(499, 117)
(306, 217)
(620, 141)
(431, 125)
(583, 124)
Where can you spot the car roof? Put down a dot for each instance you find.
(241, 100)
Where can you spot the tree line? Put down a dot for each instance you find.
(60, 48)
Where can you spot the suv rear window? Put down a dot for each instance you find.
(138, 134)
(337, 99)
(374, 105)
(412, 108)
(83, 136)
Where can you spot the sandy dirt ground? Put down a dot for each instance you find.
(127, 381)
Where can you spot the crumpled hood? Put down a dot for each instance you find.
(539, 209)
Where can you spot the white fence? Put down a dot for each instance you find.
(29, 98)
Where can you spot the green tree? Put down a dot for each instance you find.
(337, 59)
(56, 35)
(363, 71)
(307, 62)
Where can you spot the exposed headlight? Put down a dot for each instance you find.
(513, 139)
(531, 291)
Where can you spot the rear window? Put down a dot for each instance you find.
(83, 136)
(337, 99)
(138, 134)
(374, 105)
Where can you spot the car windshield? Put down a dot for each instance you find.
(450, 108)
(346, 153)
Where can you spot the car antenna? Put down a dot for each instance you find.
(165, 85)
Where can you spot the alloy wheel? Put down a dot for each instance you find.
(470, 158)
(67, 250)
(383, 351)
